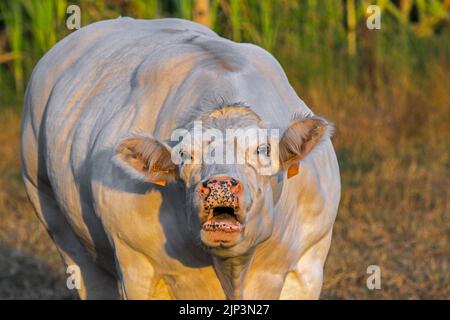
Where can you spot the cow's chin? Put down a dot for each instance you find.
(224, 245)
(231, 243)
(220, 239)
(224, 236)
(221, 231)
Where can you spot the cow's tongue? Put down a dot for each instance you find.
(223, 222)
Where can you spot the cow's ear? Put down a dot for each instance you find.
(299, 139)
(146, 158)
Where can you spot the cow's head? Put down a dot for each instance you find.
(231, 195)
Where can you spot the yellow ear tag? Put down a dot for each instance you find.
(293, 170)
(159, 182)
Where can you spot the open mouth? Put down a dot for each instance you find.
(222, 219)
(222, 225)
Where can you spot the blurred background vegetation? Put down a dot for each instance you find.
(315, 40)
(387, 91)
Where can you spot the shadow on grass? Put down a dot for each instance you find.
(24, 276)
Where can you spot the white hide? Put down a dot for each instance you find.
(124, 76)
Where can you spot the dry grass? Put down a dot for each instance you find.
(393, 151)
(30, 267)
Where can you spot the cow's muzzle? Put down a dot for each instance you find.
(221, 217)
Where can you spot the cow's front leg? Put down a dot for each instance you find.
(93, 282)
(137, 275)
(305, 282)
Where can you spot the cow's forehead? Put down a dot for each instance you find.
(242, 137)
(230, 117)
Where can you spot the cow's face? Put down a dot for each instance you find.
(231, 195)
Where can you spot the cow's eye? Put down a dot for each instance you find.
(184, 155)
(264, 149)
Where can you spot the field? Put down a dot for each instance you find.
(392, 114)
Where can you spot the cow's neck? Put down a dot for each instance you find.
(232, 272)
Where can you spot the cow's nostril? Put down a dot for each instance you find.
(203, 188)
(237, 188)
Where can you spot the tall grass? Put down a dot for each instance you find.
(185, 8)
(317, 40)
(235, 19)
(13, 18)
(145, 9)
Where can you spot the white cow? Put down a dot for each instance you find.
(144, 216)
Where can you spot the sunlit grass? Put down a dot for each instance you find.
(13, 18)
(314, 37)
